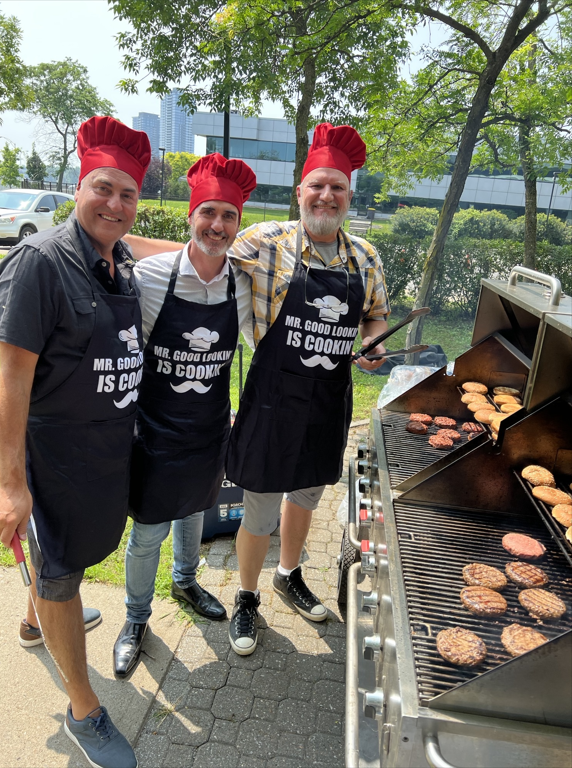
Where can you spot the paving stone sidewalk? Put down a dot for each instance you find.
(281, 707)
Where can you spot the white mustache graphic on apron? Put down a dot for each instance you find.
(186, 386)
(130, 397)
(322, 360)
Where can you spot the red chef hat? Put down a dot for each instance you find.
(104, 142)
(213, 177)
(341, 147)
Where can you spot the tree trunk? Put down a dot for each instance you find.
(530, 214)
(302, 119)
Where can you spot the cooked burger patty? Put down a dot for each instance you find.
(470, 426)
(472, 397)
(483, 602)
(526, 574)
(542, 604)
(461, 647)
(424, 418)
(479, 575)
(506, 391)
(450, 433)
(551, 496)
(523, 546)
(538, 476)
(475, 386)
(444, 421)
(416, 427)
(563, 513)
(440, 442)
(517, 639)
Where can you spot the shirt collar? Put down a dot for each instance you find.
(187, 268)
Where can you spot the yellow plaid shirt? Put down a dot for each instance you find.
(267, 252)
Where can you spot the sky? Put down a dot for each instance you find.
(84, 30)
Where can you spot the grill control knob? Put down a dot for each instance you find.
(362, 450)
(371, 647)
(362, 466)
(374, 701)
(370, 601)
(364, 484)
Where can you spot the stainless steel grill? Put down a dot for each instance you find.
(545, 511)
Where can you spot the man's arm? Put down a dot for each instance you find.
(369, 329)
(17, 367)
(141, 247)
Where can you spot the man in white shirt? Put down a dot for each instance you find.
(193, 305)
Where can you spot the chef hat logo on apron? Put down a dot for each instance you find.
(330, 308)
(200, 339)
(130, 336)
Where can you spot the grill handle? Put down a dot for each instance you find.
(352, 660)
(433, 751)
(552, 282)
(352, 516)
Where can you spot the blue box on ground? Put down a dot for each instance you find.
(225, 516)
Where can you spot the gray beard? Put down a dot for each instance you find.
(322, 225)
(209, 249)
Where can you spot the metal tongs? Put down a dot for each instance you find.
(378, 339)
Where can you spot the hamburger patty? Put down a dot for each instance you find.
(536, 475)
(517, 639)
(424, 418)
(479, 575)
(445, 421)
(475, 386)
(450, 433)
(483, 602)
(440, 442)
(563, 513)
(470, 426)
(461, 647)
(551, 496)
(526, 574)
(523, 546)
(416, 427)
(542, 604)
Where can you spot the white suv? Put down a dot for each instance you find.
(23, 212)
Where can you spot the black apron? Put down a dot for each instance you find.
(292, 425)
(79, 438)
(183, 416)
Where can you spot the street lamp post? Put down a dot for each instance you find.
(162, 149)
(554, 177)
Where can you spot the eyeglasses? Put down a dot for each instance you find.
(310, 303)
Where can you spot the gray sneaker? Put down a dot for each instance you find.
(100, 741)
(30, 635)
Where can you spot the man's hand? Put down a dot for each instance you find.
(371, 365)
(15, 511)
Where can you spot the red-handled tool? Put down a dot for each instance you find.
(16, 545)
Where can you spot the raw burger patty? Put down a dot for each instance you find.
(424, 418)
(526, 574)
(416, 427)
(479, 575)
(538, 476)
(450, 433)
(470, 426)
(461, 647)
(517, 639)
(506, 391)
(475, 386)
(440, 442)
(444, 421)
(551, 496)
(472, 397)
(483, 602)
(523, 546)
(541, 604)
(563, 513)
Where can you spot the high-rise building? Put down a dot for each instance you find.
(149, 123)
(176, 126)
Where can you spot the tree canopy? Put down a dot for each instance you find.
(35, 167)
(63, 100)
(180, 162)
(15, 92)
(9, 168)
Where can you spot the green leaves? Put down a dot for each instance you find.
(9, 170)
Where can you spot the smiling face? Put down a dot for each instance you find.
(324, 198)
(214, 225)
(106, 206)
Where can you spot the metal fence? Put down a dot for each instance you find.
(49, 186)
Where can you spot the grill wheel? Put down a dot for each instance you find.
(347, 557)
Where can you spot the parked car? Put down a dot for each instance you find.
(23, 212)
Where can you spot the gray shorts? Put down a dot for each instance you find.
(55, 590)
(262, 510)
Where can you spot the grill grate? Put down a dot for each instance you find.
(408, 454)
(435, 544)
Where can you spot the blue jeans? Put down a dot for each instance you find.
(142, 561)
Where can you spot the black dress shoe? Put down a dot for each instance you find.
(127, 648)
(201, 601)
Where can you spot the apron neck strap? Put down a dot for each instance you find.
(174, 272)
(231, 284)
(299, 242)
(81, 261)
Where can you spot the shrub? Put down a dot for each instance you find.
(556, 233)
(402, 259)
(482, 225)
(414, 222)
(62, 212)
